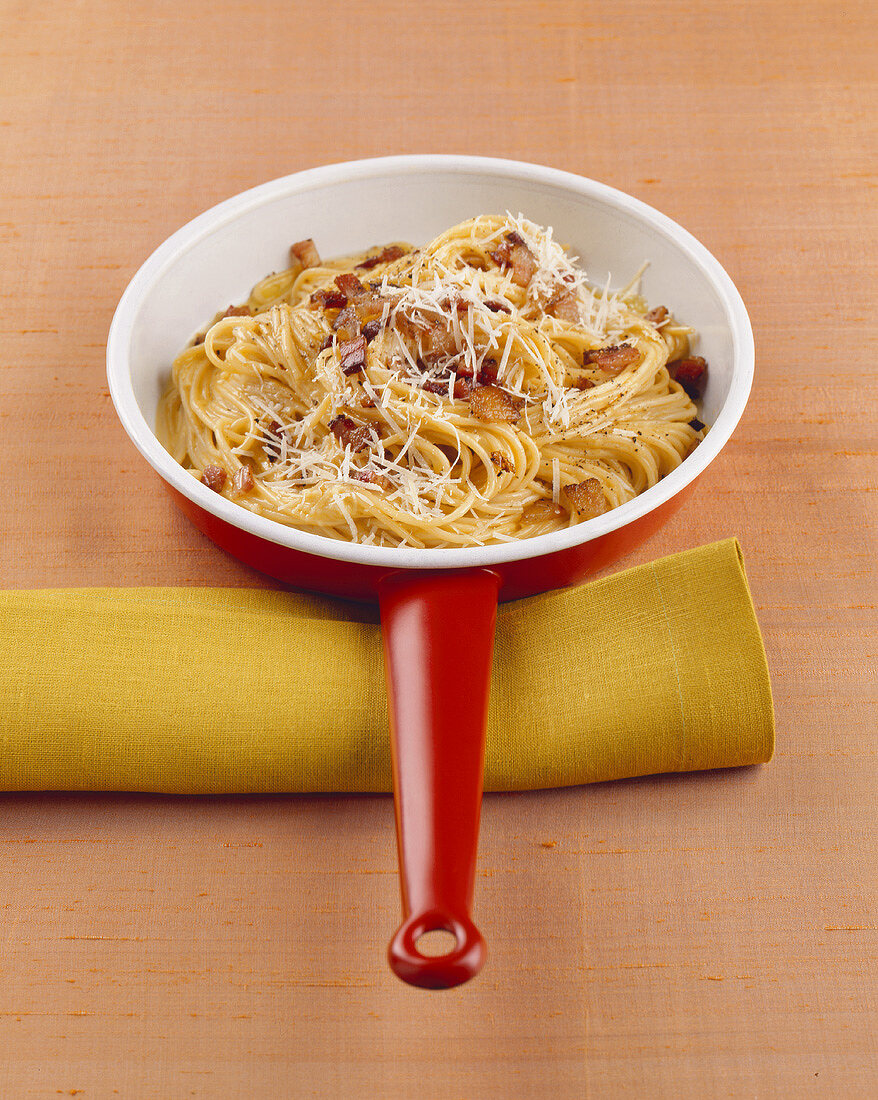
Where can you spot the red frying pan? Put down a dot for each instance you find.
(438, 607)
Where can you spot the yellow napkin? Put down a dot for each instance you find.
(204, 690)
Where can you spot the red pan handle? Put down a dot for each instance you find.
(438, 638)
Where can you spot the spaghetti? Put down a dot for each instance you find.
(474, 391)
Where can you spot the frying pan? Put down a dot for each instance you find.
(437, 607)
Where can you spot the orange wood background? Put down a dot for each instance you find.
(679, 937)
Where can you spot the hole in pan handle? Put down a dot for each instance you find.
(438, 630)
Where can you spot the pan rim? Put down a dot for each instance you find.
(193, 232)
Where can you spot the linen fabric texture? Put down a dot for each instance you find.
(215, 690)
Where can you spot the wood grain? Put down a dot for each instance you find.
(682, 937)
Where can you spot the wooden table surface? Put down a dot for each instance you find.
(679, 937)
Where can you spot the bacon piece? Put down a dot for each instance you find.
(464, 383)
(582, 383)
(237, 311)
(272, 446)
(328, 298)
(306, 253)
(696, 425)
(436, 385)
(393, 252)
(409, 327)
(347, 324)
(503, 255)
(586, 498)
(243, 480)
(214, 477)
(432, 341)
(564, 305)
(437, 343)
(524, 266)
(461, 390)
(388, 255)
(327, 342)
(501, 462)
(541, 510)
(349, 433)
(350, 286)
(371, 330)
(690, 373)
(613, 359)
(463, 387)
(372, 477)
(491, 403)
(488, 371)
(453, 300)
(352, 355)
(369, 308)
(657, 315)
(497, 307)
(514, 253)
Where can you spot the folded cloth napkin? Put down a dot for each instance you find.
(205, 690)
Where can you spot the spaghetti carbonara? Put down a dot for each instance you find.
(477, 390)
